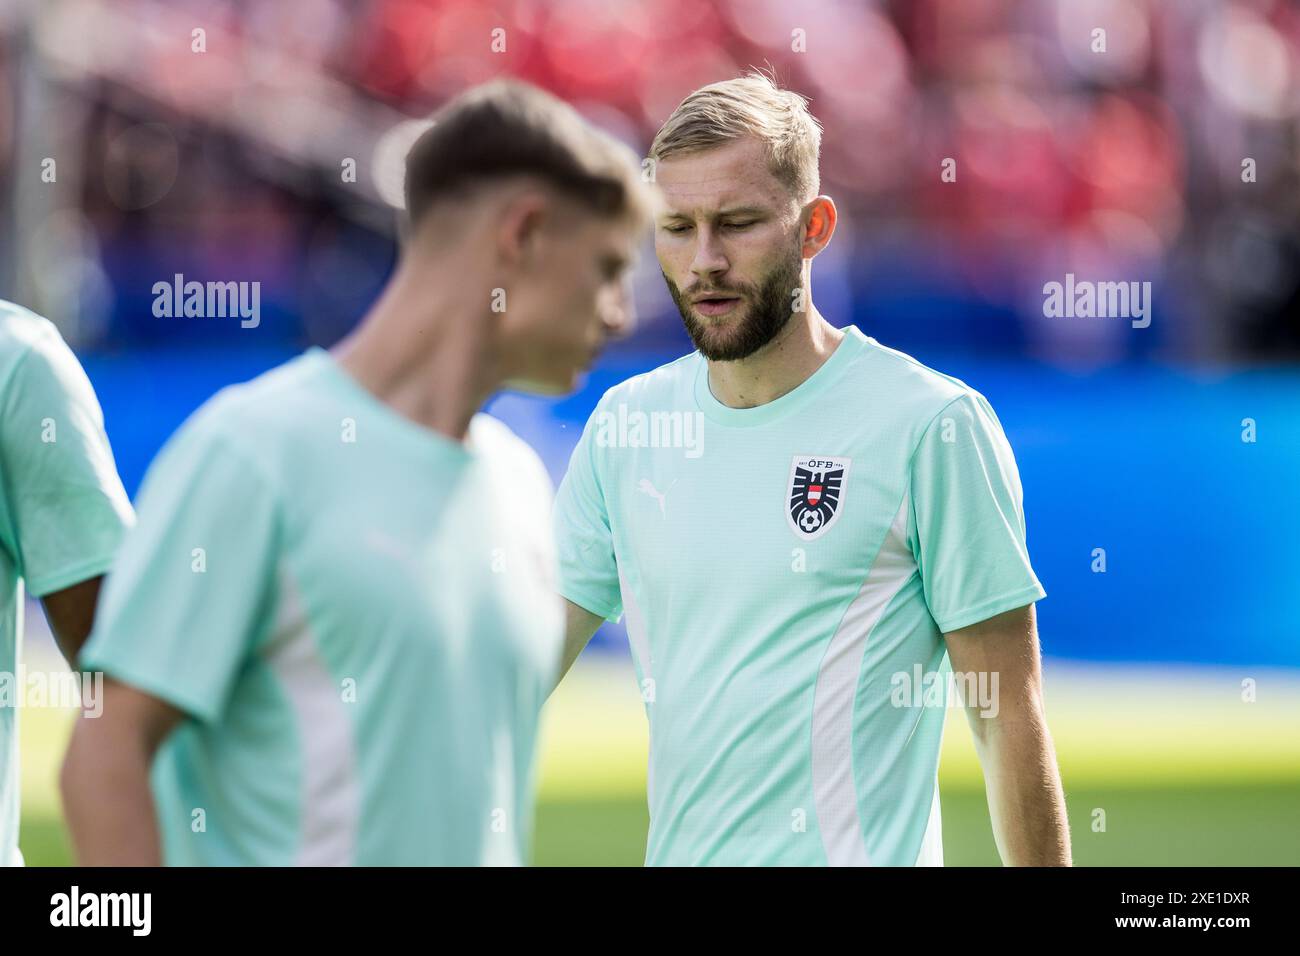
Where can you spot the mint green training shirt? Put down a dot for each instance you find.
(784, 571)
(357, 615)
(62, 508)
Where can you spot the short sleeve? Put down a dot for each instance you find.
(584, 541)
(969, 518)
(193, 588)
(67, 509)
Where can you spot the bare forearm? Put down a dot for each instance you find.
(1026, 801)
(71, 614)
(579, 625)
(107, 801)
(573, 647)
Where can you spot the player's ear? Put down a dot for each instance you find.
(820, 216)
(520, 228)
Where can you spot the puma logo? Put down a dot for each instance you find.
(646, 486)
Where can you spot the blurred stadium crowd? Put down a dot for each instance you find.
(212, 138)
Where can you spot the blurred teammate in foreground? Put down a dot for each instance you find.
(63, 512)
(796, 570)
(334, 627)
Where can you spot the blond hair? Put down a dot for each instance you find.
(751, 105)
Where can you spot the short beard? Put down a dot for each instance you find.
(771, 309)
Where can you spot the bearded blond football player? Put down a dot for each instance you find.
(850, 521)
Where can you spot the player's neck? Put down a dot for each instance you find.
(781, 366)
(420, 352)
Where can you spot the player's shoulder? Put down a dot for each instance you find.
(260, 399)
(914, 388)
(25, 336)
(663, 388)
(21, 328)
(492, 438)
(39, 370)
(261, 412)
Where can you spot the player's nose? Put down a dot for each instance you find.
(618, 310)
(709, 260)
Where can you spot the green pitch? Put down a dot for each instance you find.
(1160, 768)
